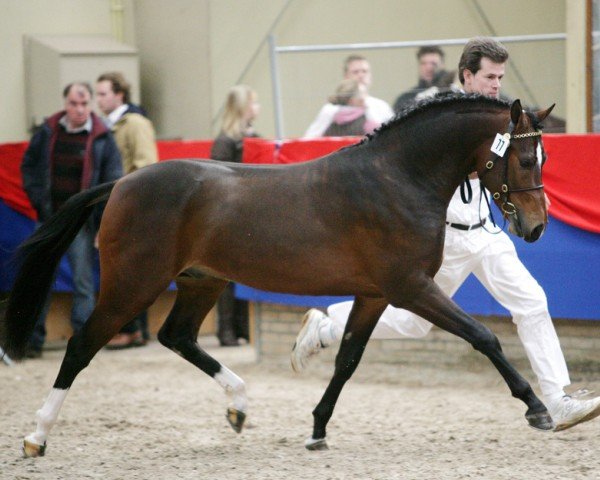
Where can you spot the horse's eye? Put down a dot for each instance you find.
(527, 163)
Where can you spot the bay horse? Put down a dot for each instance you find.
(367, 220)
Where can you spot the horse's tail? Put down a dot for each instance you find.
(38, 257)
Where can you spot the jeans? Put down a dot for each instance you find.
(80, 256)
(232, 316)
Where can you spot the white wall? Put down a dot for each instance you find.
(173, 41)
(193, 51)
(20, 17)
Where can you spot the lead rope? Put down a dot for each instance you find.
(487, 201)
(466, 198)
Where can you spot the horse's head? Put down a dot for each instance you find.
(514, 173)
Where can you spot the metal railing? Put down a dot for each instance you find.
(274, 50)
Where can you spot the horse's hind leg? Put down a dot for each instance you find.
(117, 304)
(362, 321)
(196, 295)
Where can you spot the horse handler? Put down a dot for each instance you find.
(470, 247)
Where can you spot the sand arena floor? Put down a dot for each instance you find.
(145, 413)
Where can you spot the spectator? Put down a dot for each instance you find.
(72, 151)
(350, 118)
(430, 60)
(241, 110)
(491, 256)
(357, 68)
(135, 138)
(443, 82)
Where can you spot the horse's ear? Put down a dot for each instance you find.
(515, 111)
(542, 114)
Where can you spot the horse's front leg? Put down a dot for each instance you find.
(362, 321)
(433, 305)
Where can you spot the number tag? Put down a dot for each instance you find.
(501, 143)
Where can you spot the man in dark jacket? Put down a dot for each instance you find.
(430, 60)
(72, 151)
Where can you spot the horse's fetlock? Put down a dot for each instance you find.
(239, 387)
(235, 387)
(524, 392)
(44, 419)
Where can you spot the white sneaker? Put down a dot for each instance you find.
(568, 411)
(308, 341)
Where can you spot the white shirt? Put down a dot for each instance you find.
(113, 117)
(468, 213)
(377, 111)
(86, 127)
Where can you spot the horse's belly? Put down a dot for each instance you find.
(311, 274)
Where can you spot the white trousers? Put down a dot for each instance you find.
(492, 258)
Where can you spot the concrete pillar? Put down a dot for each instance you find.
(576, 29)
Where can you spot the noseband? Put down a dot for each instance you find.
(508, 208)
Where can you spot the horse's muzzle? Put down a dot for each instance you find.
(516, 228)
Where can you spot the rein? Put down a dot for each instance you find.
(507, 207)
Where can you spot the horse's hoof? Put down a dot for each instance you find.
(32, 450)
(236, 419)
(540, 421)
(316, 444)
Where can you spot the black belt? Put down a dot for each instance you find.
(460, 226)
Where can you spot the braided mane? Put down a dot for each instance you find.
(442, 99)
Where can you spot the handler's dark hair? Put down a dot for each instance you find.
(475, 50)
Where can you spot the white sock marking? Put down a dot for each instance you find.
(47, 415)
(234, 387)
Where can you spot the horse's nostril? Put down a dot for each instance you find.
(537, 232)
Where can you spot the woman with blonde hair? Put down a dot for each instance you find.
(241, 109)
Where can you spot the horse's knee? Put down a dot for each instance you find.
(345, 368)
(347, 360)
(485, 341)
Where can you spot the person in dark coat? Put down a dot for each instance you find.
(430, 60)
(72, 151)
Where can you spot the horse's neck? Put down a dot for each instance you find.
(444, 157)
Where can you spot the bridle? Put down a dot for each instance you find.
(508, 208)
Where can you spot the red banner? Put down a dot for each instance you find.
(174, 149)
(11, 185)
(570, 175)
